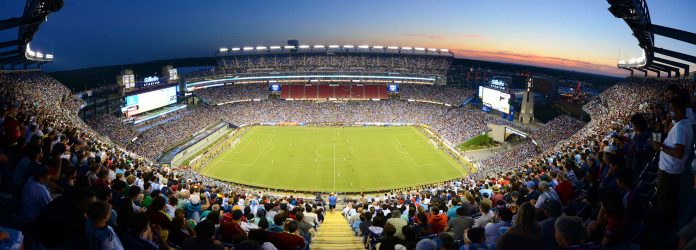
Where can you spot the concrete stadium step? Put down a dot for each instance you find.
(334, 240)
(337, 246)
(335, 233)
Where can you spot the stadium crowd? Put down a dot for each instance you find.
(444, 94)
(546, 136)
(234, 92)
(64, 187)
(339, 62)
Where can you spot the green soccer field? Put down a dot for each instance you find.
(325, 159)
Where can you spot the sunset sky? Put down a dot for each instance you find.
(571, 34)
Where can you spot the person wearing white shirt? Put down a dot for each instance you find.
(674, 152)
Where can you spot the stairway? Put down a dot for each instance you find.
(335, 233)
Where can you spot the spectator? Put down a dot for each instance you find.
(99, 234)
(459, 224)
(289, 239)
(525, 222)
(203, 239)
(390, 240)
(570, 233)
(35, 195)
(437, 220)
(552, 210)
(486, 215)
(476, 239)
(493, 230)
(674, 151)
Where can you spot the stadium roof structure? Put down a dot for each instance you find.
(637, 15)
(34, 14)
(262, 50)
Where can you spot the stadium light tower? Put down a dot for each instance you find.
(527, 112)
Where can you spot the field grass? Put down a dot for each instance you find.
(478, 142)
(349, 159)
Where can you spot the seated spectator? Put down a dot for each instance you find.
(525, 222)
(203, 239)
(157, 214)
(178, 232)
(437, 220)
(493, 229)
(476, 239)
(289, 239)
(261, 236)
(426, 244)
(230, 227)
(62, 222)
(277, 225)
(552, 210)
(486, 215)
(35, 195)
(397, 222)
(99, 234)
(547, 193)
(142, 236)
(127, 207)
(517, 241)
(570, 233)
(390, 240)
(457, 225)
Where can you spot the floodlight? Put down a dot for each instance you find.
(304, 46)
(334, 46)
(406, 48)
(348, 46)
(260, 47)
(49, 56)
(444, 50)
(392, 47)
(363, 46)
(275, 47)
(420, 49)
(235, 49)
(248, 48)
(431, 49)
(318, 46)
(289, 47)
(378, 47)
(223, 50)
(39, 54)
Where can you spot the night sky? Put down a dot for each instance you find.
(571, 34)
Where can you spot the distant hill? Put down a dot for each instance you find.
(87, 78)
(558, 73)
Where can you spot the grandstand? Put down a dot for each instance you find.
(339, 147)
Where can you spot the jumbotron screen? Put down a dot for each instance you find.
(495, 99)
(136, 104)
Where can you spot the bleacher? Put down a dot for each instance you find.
(333, 92)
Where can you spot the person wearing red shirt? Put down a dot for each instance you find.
(437, 220)
(497, 196)
(565, 189)
(231, 228)
(289, 239)
(13, 132)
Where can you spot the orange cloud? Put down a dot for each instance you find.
(472, 36)
(542, 61)
(426, 36)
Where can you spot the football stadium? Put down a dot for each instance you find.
(225, 130)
